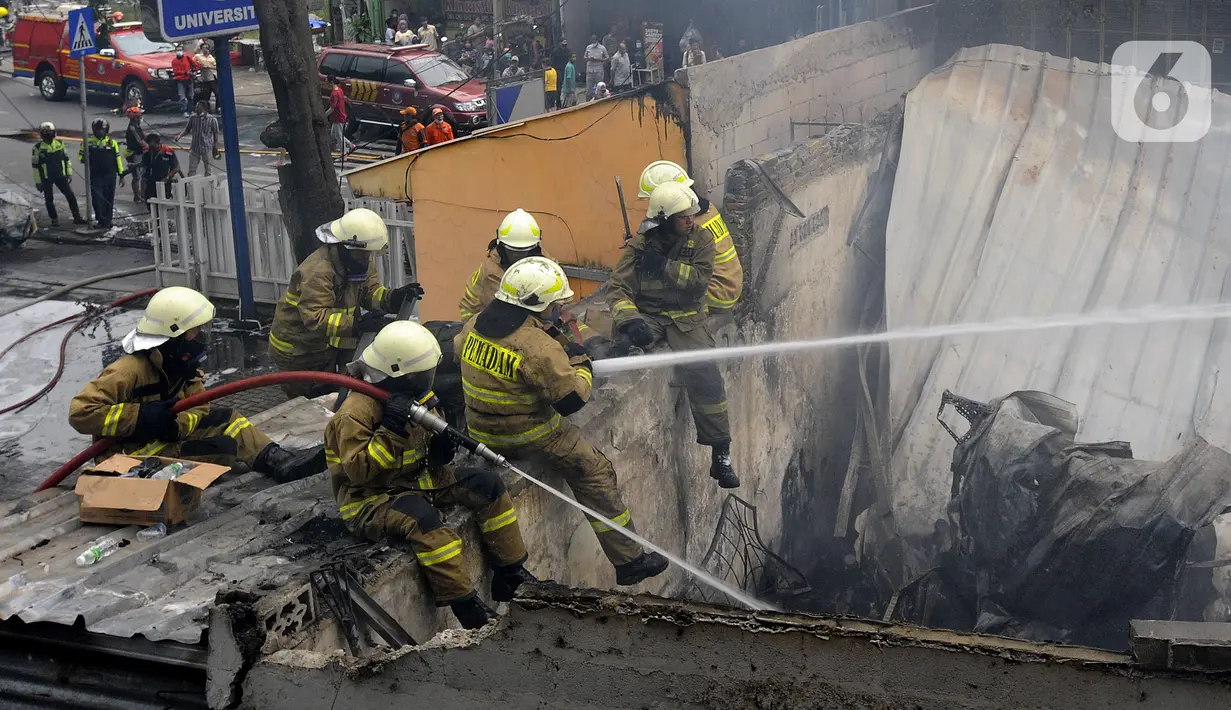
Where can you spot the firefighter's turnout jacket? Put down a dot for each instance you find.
(316, 315)
(108, 407)
(519, 388)
(673, 305)
(386, 484)
(727, 283)
(678, 293)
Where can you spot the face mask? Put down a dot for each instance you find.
(356, 266)
(179, 55)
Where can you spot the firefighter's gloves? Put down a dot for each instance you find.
(440, 450)
(399, 296)
(373, 321)
(651, 263)
(578, 356)
(156, 421)
(638, 333)
(397, 412)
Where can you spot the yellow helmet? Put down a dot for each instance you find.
(671, 199)
(661, 172)
(519, 230)
(402, 348)
(360, 229)
(171, 312)
(534, 283)
(4, 12)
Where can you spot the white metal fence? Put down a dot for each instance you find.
(191, 234)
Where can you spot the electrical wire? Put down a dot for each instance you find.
(82, 319)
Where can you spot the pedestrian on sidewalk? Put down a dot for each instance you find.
(596, 64)
(182, 69)
(205, 133)
(105, 167)
(439, 130)
(568, 91)
(134, 139)
(621, 70)
(337, 117)
(158, 166)
(551, 88)
(53, 170)
(429, 35)
(209, 76)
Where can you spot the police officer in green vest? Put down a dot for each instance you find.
(51, 170)
(105, 167)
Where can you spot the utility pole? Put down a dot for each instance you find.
(235, 185)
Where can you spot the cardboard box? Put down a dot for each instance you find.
(107, 498)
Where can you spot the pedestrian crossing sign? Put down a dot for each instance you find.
(81, 32)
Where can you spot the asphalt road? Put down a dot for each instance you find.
(23, 108)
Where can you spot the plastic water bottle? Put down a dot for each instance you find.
(97, 550)
(153, 532)
(170, 473)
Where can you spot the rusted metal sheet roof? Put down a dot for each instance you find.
(1014, 197)
(241, 538)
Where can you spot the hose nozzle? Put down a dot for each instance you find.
(426, 418)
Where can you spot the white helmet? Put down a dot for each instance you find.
(360, 229)
(661, 172)
(519, 230)
(171, 312)
(46, 126)
(671, 199)
(402, 348)
(534, 283)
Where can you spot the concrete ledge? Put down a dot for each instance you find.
(563, 648)
(1182, 645)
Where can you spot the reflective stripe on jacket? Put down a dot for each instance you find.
(727, 283)
(50, 161)
(104, 155)
(367, 460)
(108, 405)
(679, 292)
(317, 311)
(511, 383)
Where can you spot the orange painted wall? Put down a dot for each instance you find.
(561, 167)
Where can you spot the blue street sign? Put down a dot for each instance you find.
(191, 19)
(81, 32)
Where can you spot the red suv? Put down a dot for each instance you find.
(126, 63)
(381, 80)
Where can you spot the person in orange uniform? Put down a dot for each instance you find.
(439, 130)
(411, 136)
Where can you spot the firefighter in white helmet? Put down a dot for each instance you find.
(389, 476)
(518, 237)
(317, 323)
(521, 384)
(727, 284)
(132, 399)
(658, 293)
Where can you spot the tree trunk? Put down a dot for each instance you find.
(308, 193)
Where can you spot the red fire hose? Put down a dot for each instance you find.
(278, 378)
(82, 320)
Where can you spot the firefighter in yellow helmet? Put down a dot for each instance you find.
(727, 284)
(132, 399)
(389, 475)
(518, 237)
(317, 322)
(658, 292)
(521, 384)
